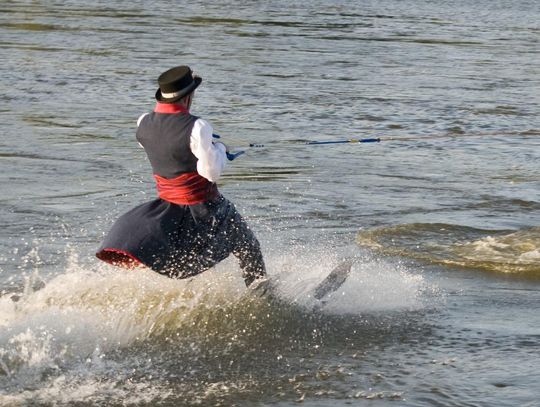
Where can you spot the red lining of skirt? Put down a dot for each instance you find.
(119, 258)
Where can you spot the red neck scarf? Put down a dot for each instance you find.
(170, 108)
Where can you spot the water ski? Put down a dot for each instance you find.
(334, 280)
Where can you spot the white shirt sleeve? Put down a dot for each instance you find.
(211, 156)
(139, 120)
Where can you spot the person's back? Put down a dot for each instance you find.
(166, 140)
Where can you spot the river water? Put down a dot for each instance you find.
(442, 216)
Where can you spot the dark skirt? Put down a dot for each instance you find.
(183, 240)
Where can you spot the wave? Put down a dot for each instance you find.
(502, 251)
(97, 334)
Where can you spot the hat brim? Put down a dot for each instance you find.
(184, 92)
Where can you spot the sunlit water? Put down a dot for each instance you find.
(441, 217)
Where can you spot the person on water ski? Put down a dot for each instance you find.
(190, 227)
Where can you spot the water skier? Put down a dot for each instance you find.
(191, 226)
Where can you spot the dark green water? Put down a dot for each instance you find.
(442, 216)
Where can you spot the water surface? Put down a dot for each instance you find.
(442, 216)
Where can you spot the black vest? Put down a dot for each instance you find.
(166, 140)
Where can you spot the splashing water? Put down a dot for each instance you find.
(74, 338)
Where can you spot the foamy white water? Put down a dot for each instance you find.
(58, 340)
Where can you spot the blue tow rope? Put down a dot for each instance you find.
(233, 155)
(362, 140)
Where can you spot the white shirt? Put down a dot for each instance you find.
(211, 157)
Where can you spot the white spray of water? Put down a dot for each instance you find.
(54, 341)
(64, 329)
(372, 285)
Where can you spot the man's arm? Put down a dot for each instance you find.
(211, 156)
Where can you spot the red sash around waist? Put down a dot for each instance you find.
(186, 189)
